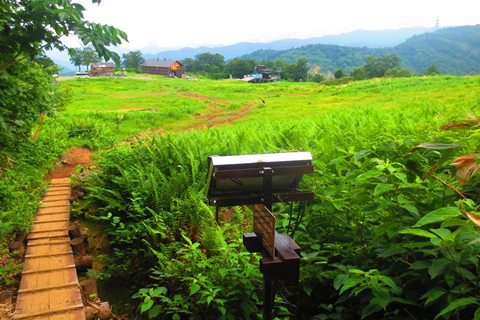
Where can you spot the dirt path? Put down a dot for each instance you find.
(71, 159)
(216, 117)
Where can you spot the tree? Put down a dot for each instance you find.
(28, 27)
(188, 63)
(432, 70)
(133, 60)
(76, 58)
(339, 74)
(376, 67)
(397, 72)
(240, 67)
(89, 56)
(296, 71)
(211, 65)
(359, 73)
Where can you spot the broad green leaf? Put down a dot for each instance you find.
(194, 287)
(420, 265)
(457, 304)
(154, 311)
(393, 250)
(157, 292)
(350, 283)
(418, 232)
(476, 316)
(410, 208)
(436, 146)
(438, 267)
(438, 215)
(382, 188)
(443, 233)
(433, 294)
(146, 305)
(371, 308)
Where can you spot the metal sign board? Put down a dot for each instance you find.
(264, 227)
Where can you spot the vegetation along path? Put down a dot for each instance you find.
(49, 287)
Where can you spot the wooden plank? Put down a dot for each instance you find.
(62, 313)
(52, 216)
(36, 242)
(52, 220)
(53, 254)
(58, 193)
(40, 263)
(50, 226)
(72, 266)
(60, 181)
(45, 210)
(47, 198)
(47, 234)
(60, 203)
(59, 188)
(46, 248)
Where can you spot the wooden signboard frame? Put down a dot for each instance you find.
(264, 227)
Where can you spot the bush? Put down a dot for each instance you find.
(26, 91)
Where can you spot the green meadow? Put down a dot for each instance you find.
(173, 104)
(386, 236)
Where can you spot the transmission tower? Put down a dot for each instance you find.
(437, 24)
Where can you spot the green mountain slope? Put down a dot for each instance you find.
(454, 50)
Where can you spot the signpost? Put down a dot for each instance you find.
(260, 180)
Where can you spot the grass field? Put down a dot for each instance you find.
(176, 104)
(360, 237)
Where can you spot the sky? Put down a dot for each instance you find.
(156, 24)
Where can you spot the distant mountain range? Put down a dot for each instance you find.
(454, 50)
(358, 38)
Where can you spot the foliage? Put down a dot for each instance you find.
(202, 287)
(339, 74)
(26, 91)
(376, 67)
(28, 27)
(211, 65)
(240, 67)
(89, 56)
(454, 50)
(76, 57)
(432, 70)
(397, 72)
(132, 61)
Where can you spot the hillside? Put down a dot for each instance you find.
(454, 50)
(357, 38)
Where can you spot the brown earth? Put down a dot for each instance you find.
(128, 108)
(216, 118)
(155, 92)
(71, 159)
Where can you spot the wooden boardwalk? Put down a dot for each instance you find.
(49, 288)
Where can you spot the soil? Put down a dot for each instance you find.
(155, 92)
(215, 118)
(130, 108)
(6, 310)
(70, 160)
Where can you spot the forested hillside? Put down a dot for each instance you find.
(454, 50)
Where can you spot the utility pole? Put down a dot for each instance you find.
(437, 24)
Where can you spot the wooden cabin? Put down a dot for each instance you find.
(102, 69)
(172, 69)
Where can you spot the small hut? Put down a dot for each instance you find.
(172, 69)
(102, 69)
